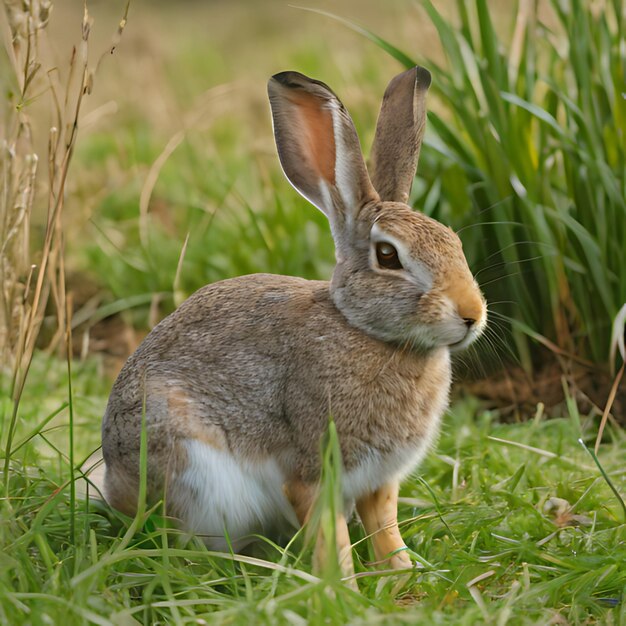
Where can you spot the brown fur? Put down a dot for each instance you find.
(469, 303)
(302, 497)
(186, 420)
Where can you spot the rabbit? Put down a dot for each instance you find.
(237, 385)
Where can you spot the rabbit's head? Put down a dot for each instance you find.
(401, 276)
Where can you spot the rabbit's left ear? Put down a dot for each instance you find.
(399, 134)
(319, 148)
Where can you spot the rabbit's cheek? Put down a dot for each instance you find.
(422, 335)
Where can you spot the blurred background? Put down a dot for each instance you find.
(175, 141)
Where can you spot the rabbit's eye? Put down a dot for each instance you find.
(387, 256)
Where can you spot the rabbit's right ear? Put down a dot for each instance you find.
(318, 147)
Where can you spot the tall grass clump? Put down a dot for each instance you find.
(28, 279)
(527, 158)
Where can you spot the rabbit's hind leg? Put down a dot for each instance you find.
(225, 499)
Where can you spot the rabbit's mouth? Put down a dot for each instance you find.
(448, 336)
(470, 336)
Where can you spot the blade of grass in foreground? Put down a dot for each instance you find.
(379, 41)
(130, 553)
(70, 404)
(609, 482)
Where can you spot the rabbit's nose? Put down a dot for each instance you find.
(470, 306)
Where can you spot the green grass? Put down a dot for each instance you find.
(476, 515)
(526, 156)
(239, 221)
(232, 202)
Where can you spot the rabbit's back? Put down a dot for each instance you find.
(217, 364)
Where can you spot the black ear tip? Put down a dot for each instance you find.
(415, 80)
(422, 77)
(289, 79)
(296, 80)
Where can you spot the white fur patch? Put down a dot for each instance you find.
(452, 330)
(326, 207)
(378, 469)
(344, 164)
(218, 493)
(327, 200)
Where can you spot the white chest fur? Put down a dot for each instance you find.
(378, 468)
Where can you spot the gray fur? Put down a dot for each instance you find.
(267, 359)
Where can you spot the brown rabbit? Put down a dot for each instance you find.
(238, 384)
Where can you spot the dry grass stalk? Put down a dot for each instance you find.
(18, 167)
(25, 292)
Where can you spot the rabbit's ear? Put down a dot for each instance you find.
(318, 147)
(399, 134)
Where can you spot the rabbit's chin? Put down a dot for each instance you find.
(468, 340)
